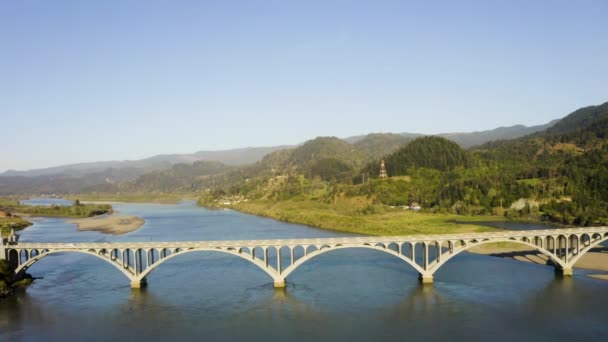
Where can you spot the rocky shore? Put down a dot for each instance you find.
(7, 283)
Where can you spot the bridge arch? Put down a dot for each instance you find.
(299, 262)
(27, 264)
(586, 249)
(447, 256)
(267, 269)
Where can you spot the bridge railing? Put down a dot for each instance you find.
(279, 258)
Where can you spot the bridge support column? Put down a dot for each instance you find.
(279, 283)
(426, 278)
(566, 272)
(138, 283)
(3, 251)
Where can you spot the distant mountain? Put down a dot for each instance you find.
(371, 145)
(81, 169)
(467, 140)
(180, 177)
(578, 133)
(379, 144)
(235, 157)
(55, 184)
(357, 138)
(322, 156)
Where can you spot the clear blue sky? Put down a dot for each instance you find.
(105, 80)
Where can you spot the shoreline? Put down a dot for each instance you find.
(594, 260)
(102, 202)
(353, 218)
(109, 224)
(133, 198)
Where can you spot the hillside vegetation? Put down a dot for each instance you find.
(12, 222)
(426, 152)
(108, 176)
(558, 175)
(358, 215)
(75, 210)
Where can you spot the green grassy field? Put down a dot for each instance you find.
(356, 215)
(74, 211)
(15, 211)
(17, 223)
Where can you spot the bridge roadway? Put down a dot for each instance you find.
(279, 258)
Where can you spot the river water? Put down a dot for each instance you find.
(355, 295)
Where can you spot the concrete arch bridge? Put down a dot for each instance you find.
(279, 258)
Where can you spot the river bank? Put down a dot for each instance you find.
(596, 259)
(7, 283)
(15, 213)
(162, 198)
(8, 223)
(359, 217)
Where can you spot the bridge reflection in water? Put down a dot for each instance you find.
(279, 258)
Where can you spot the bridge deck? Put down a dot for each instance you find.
(506, 234)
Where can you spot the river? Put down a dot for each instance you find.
(355, 295)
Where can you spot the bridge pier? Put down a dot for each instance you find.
(138, 283)
(426, 278)
(279, 283)
(564, 272)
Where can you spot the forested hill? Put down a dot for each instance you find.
(581, 119)
(179, 178)
(371, 144)
(427, 152)
(507, 169)
(560, 175)
(378, 144)
(582, 130)
(467, 140)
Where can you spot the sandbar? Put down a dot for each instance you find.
(109, 224)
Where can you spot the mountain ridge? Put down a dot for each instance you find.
(324, 154)
(250, 155)
(156, 162)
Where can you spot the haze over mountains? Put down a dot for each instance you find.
(249, 155)
(185, 172)
(470, 139)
